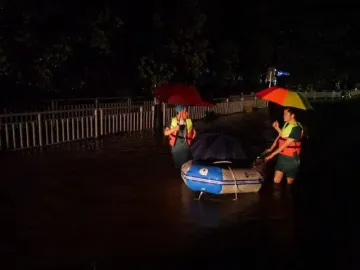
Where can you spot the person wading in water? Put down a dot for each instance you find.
(289, 148)
(181, 133)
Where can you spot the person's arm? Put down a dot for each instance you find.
(168, 130)
(273, 145)
(193, 129)
(278, 130)
(276, 127)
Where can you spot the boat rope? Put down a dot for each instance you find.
(235, 183)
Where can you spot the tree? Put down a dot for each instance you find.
(228, 63)
(155, 70)
(189, 49)
(183, 57)
(317, 51)
(4, 63)
(155, 73)
(33, 55)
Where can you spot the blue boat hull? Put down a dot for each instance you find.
(220, 179)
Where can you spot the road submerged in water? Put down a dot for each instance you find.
(102, 204)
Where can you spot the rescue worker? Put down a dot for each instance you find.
(289, 148)
(181, 133)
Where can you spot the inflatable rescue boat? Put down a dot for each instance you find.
(221, 177)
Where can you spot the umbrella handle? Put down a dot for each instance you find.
(222, 162)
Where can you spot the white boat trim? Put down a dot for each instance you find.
(221, 182)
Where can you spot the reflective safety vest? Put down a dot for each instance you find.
(295, 147)
(189, 132)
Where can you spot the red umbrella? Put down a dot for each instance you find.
(180, 94)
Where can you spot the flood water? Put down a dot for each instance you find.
(104, 204)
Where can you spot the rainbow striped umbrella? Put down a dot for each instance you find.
(285, 97)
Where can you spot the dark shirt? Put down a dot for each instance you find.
(296, 133)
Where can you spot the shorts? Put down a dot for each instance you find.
(288, 165)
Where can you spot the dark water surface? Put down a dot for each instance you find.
(101, 205)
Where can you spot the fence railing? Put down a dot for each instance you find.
(36, 129)
(22, 131)
(80, 104)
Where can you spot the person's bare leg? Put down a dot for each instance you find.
(290, 180)
(289, 186)
(278, 177)
(276, 192)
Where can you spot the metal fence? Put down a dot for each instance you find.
(36, 129)
(22, 131)
(78, 104)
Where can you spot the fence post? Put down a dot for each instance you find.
(227, 106)
(157, 114)
(152, 116)
(242, 104)
(96, 123)
(141, 118)
(252, 94)
(40, 129)
(1, 137)
(164, 114)
(101, 122)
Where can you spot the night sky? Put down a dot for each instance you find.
(314, 41)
